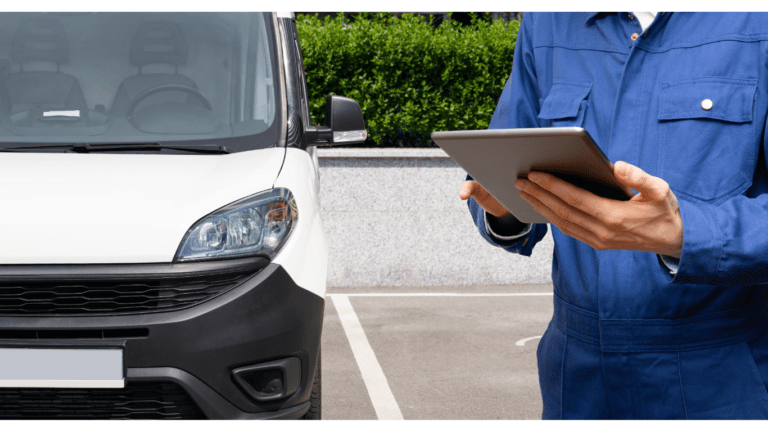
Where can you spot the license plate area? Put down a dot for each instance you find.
(62, 368)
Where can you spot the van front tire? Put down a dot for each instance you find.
(314, 412)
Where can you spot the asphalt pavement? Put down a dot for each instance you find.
(437, 353)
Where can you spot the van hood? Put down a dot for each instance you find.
(71, 208)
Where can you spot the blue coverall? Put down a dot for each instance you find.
(628, 339)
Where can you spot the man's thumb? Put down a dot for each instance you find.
(467, 189)
(635, 178)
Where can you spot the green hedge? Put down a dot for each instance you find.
(410, 77)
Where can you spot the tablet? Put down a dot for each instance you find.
(496, 158)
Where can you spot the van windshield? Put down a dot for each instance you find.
(103, 78)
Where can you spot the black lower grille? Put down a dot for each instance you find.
(127, 295)
(135, 401)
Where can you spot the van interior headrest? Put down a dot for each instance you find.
(159, 42)
(40, 39)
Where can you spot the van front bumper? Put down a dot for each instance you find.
(264, 318)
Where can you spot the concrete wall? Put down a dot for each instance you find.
(393, 217)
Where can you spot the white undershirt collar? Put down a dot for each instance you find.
(645, 18)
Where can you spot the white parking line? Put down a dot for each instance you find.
(443, 294)
(522, 342)
(378, 388)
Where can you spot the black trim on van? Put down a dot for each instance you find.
(267, 317)
(45, 272)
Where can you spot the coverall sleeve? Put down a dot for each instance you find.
(518, 107)
(725, 244)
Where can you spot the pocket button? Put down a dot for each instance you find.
(706, 104)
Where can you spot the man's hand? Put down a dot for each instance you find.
(650, 221)
(504, 223)
(484, 199)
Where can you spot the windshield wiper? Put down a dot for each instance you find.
(94, 148)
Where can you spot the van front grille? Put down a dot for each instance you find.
(112, 297)
(123, 333)
(135, 401)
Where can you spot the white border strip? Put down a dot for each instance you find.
(378, 388)
(63, 383)
(382, 153)
(522, 342)
(444, 294)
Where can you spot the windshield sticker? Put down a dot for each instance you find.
(70, 113)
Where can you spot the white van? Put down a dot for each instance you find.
(162, 251)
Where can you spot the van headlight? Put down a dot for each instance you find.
(257, 225)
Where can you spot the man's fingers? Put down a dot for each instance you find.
(574, 196)
(567, 227)
(567, 214)
(634, 177)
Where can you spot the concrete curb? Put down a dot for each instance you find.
(384, 153)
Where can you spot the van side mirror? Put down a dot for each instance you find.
(344, 124)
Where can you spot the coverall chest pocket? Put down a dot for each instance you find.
(707, 139)
(566, 104)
